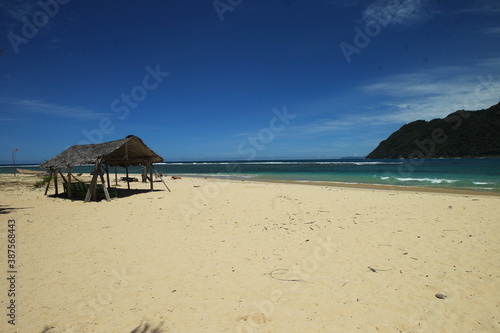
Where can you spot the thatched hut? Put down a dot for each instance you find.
(130, 151)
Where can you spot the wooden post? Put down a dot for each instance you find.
(144, 171)
(150, 166)
(128, 183)
(105, 187)
(62, 176)
(116, 177)
(69, 182)
(55, 180)
(91, 192)
(93, 185)
(48, 183)
(107, 174)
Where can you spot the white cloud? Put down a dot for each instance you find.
(404, 98)
(400, 12)
(435, 94)
(56, 110)
(321, 127)
(491, 31)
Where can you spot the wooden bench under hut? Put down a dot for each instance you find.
(130, 151)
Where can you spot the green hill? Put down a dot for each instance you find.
(460, 134)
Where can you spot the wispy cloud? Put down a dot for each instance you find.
(52, 109)
(341, 3)
(435, 94)
(481, 7)
(491, 31)
(17, 9)
(411, 96)
(402, 13)
(323, 127)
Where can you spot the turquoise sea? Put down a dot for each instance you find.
(481, 174)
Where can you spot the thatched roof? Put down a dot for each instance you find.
(124, 152)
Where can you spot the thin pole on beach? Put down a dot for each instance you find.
(14, 160)
(160, 178)
(128, 181)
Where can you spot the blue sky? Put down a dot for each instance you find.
(239, 79)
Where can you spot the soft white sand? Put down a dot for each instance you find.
(233, 256)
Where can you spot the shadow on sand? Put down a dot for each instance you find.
(114, 193)
(144, 327)
(6, 209)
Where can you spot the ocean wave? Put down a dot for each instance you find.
(428, 180)
(281, 163)
(219, 175)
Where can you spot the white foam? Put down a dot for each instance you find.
(429, 180)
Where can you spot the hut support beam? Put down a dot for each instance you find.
(55, 180)
(150, 167)
(105, 187)
(92, 187)
(48, 183)
(69, 182)
(62, 176)
(107, 174)
(92, 191)
(128, 183)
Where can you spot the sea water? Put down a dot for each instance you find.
(482, 174)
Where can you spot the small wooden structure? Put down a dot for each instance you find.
(130, 151)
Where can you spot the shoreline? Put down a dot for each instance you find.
(462, 178)
(364, 186)
(361, 186)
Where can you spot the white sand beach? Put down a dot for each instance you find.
(238, 256)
